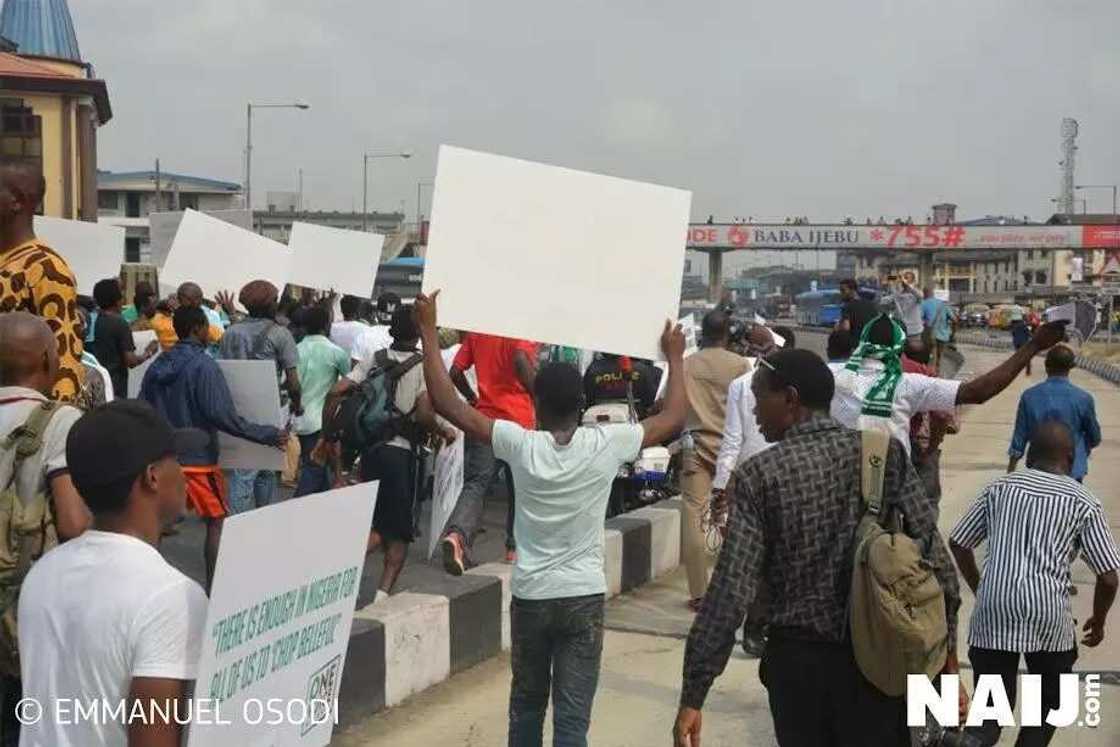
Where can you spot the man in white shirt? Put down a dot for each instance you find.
(872, 392)
(563, 474)
(346, 332)
(104, 618)
(742, 439)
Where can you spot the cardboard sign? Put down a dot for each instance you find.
(446, 487)
(94, 251)
(279, 620)
(222, 257)
(334, 259)
(543, 253)
(136, 375)
(256, 397)
(163, 226)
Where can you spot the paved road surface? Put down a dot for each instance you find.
(640, 679)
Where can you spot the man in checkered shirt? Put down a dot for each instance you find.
(793, 517)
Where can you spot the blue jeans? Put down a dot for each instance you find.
(313, 478)
(557, 646)
(251, 488)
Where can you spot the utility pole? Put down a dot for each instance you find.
(300, 204)
(159, 193)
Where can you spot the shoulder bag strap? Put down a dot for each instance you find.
(873, 469)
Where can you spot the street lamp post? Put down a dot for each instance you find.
(418, 214)
(365, 180)
(249, 144)
(1115, 215)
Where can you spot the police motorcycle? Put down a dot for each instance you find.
(642, 482)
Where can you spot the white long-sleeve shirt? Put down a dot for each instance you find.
(741, 437)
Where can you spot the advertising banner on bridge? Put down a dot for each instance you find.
(896, 237)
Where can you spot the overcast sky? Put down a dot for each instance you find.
(762, 109)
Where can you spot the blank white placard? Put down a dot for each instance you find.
(222, 257)
(545, 253)
(94, 251)
(333, 258)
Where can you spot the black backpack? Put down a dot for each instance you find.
(368, 416)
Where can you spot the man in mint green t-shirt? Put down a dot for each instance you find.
(321, 365)
(563, 474)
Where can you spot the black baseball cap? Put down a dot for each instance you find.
(120, 439)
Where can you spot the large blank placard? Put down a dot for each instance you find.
(93, 251)
(222, 257)
(544, 253)
(333, 258)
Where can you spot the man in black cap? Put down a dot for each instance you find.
(104, 618)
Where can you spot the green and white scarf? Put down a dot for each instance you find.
(879, 400)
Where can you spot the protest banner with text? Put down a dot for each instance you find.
(278, 624)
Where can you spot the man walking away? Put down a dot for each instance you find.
(345, 333)
(112, 337)
(1020, 333)
(321, 364)
(938, 318)
(104, 619)
(33, 277)
(708, 374)
(394, 463)
(793, 520)
(1058, 398)
(37, 477)
(505, 370)
(873, 392)
(1035, 523)
(259, 337)
(563, 474)
(187, 388)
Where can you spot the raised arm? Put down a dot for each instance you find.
(667, 423)
(441, 391)
(982, 388)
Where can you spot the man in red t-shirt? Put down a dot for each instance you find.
(505, 370)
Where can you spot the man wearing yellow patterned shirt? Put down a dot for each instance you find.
(33, 277)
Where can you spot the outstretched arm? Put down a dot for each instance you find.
(982, 388)
(445, 400)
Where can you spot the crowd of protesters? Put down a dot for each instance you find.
(773, 460)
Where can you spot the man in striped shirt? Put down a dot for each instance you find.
(1035, 522)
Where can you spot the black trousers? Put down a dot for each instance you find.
(1006, 664)
(819, 698)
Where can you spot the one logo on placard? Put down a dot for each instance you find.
(322, 694)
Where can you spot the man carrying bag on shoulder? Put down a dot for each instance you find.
(822, 690)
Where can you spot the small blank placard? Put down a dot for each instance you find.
(334, 259)
(549, 254)
(94, 251)
(222, 257)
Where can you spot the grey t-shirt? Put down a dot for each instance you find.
(261, 340)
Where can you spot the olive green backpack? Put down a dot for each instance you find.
(26, 527)
(896, 607)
